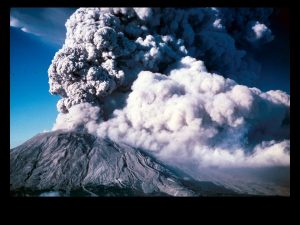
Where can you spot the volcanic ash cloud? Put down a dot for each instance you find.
(168, 77)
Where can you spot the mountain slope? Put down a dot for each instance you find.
(81, 164)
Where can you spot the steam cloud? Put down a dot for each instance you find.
(149, 77)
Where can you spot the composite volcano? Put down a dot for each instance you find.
(160, 102)
(80, 164)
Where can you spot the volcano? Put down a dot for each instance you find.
(63, 163)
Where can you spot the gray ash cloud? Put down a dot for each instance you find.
(173, 82)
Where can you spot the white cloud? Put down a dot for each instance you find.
(192, 115)
(25, 30)
(14, 22)
(48, 23)
(259, 33)
(178, 108)
(259, 29)
(22, 26)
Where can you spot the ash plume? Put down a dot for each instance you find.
(172, 82)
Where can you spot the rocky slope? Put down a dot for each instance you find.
(79, 164)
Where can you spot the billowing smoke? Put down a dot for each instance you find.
(106, 48)
(172, 82)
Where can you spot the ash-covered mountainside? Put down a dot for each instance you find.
(76, 163)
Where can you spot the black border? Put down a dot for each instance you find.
(250, 206)
(152, 3)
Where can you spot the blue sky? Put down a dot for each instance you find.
(33, 43)
(32, 108)
(37, 33)
(46, 23)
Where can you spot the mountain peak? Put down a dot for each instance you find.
(77, 163)
(70, 160)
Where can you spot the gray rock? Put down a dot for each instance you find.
(72, 160)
